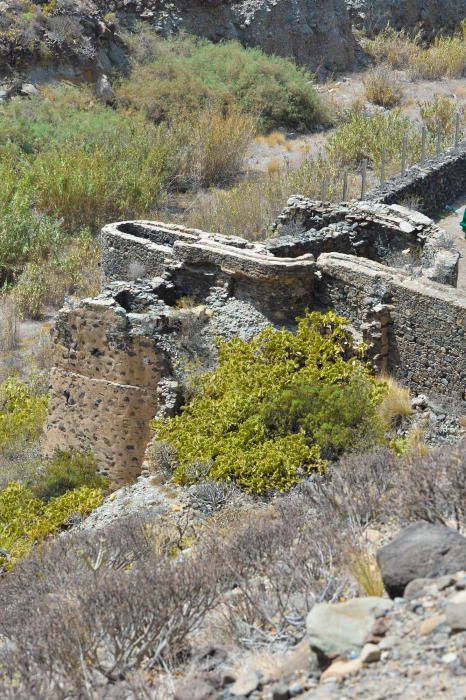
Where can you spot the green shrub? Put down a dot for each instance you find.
(367, 137)
(25, 519)
(441, 110)
(64, 472)
(23, 408)
(24, 235)
(232, 429)
(189, 74)
(337, 417)
(70, 269)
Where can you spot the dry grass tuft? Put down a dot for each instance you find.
(396, 404)
(364, 569)
(444, 58)
(275, 138)
(382, 88)
(274, 166)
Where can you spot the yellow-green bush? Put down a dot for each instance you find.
(22, 412)
(26, 520)
(366, 137)
(441, 110)
(381, 87)
(232, 429)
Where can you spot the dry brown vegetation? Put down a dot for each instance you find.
(445, 57)
(382, 88)
(93, 608)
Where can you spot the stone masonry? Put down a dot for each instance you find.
(171, 291)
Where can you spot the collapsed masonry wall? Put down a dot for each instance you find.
(420, 326)
(427, 188)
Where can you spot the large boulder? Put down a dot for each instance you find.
(432, 17)
(419, 551)
(342, 628)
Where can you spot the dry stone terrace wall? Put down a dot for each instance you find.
(392, 235)
(428, 187)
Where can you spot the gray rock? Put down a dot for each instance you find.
(418, 587)
(196, 688)
(103, 89)
(421, 550)
(28, 90)
(342, 628)
(280, 692)
(245, 684)
(432, 17)
(456, 612)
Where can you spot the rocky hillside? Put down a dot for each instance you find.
(88, 36)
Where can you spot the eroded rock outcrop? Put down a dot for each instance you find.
(431, 17)
(86, 38)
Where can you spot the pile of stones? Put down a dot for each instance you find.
(410, 644)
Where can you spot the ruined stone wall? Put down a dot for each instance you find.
(116, 355)
(196, 261)
(424, 323)
(104, 386)
(430, 187)
(390, 234)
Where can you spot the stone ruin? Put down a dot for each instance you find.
(171, 292)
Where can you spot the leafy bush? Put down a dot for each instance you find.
(191, 74)
(337, 417)
(364, 136)
(25, 519)
(440, 110)
(66, 471)
(233, 429)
